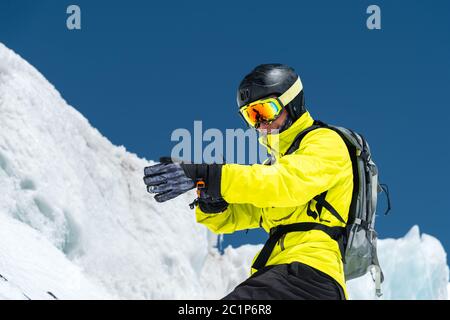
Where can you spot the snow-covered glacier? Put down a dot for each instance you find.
(76, 221)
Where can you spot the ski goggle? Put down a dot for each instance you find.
(268, 109)
(265, 110)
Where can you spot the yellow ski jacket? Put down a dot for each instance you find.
(279, 194)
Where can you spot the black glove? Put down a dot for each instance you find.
(168, 179)
(209, 205)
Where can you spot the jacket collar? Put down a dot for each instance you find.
(278, 144)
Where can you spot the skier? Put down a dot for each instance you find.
(298, 186)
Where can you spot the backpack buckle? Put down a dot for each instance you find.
(273, 231)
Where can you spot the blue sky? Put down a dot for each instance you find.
(140, 69)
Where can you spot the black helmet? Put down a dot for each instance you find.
(271, 79)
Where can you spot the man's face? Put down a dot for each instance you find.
(274, 125)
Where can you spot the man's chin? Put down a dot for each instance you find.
(265, 132)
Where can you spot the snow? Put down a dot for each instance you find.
(415, 267)
(29, 261)
(76, 220)
(448, 291)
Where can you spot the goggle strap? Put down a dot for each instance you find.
(291, 93)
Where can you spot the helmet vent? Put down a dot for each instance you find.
(245, 94)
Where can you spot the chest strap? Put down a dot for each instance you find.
(336, 233)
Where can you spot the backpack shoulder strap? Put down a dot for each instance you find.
(298, 139)
(295, 145)
(324, 203)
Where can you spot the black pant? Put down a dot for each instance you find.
(295, 281)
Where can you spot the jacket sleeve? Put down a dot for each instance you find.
(294, 179)
(236, 217)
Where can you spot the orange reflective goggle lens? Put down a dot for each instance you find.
(265, 110)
